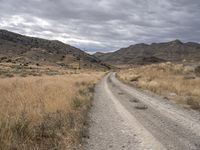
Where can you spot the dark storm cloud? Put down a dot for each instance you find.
(103, 25)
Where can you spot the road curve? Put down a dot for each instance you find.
(117, 124)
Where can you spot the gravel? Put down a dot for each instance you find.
(116, 124)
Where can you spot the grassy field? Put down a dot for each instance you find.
(177, 82)
(21, 70)
(46, 112)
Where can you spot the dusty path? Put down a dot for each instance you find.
(117, 125)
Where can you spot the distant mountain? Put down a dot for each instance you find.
(16, 48)
(153, 53)
(99, 54)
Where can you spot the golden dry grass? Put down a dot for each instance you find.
(45, 112)
(175, 81)
(13, 70)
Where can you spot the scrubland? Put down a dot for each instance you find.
(21, 70)
(45, 112)
(177, 82)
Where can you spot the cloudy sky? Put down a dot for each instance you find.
(103, 25)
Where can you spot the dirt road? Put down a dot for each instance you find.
(124, 118)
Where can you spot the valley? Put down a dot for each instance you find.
(56, 96)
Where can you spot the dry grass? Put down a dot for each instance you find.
(21, 70)
(174, 81)
(47, 112)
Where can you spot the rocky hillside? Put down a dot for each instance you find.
(16, 48)
(156, 52)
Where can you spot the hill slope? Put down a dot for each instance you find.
(156, 52)
(18, 48)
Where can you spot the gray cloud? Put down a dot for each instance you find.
(102, 25)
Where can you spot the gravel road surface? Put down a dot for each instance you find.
(125, 118)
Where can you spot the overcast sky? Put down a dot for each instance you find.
(103, 25)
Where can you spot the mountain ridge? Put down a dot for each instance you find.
(153, 53)
(17, 48)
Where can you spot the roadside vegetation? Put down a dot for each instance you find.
(177, 82)
(24, 70)
(45, 112)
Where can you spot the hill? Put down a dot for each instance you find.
(174, 51)
(16, 48)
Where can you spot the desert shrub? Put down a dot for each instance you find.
(197, 71)
(9, 75)
(192, 103)
(134, 78)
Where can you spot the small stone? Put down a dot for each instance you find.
(134, 100)
(173, 94)
(120, 93)
(165, 98)
(141, 106)
(110, 146)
